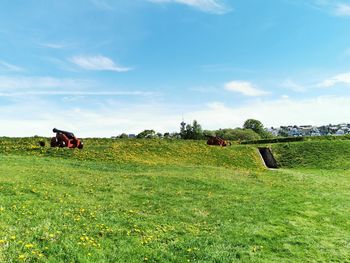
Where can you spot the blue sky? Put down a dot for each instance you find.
(103, 67)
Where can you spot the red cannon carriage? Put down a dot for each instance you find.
(216, 140)
(65, 139)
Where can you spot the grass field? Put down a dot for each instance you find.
(170, 201)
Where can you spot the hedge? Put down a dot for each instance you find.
(299, 139)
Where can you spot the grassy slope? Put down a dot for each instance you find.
(143, 152)
(87, 209)
(314, 154)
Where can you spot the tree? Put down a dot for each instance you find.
(197, 132)
(123, 136)
(173, 135)
(258, 127)
(183, 130)
(191, 132)
(209, 133)
(188, 132)
(147, 134)
(254, 125)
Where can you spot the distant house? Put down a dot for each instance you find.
(340, 132)
(333, 128)
(295, 132)
(315, 132)
(132, 136)
(306, 126)
(273, 131)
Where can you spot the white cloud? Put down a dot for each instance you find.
(102, 122)
(292, 85)
(244, 87)
(284, 111)
(18, 86)
(336, 8)
(343, 78)
(102, 4)
(75, 93)
(53, 45)
(223, 68)
(13, 83)
(97, 63)
(342, 9)
(216, 105)
(39, 116)
(4, 66)
(210, 6)
(332, 81)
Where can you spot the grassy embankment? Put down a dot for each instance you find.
(314, 154)
(163, 201)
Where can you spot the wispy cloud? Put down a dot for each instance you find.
(4, 66)
(246, 88)
(98, 63)
(53, 45)
(283, 111)
(223, 68)
(75, 93)
(61, 64)
(133, 118)
(13, 83)
(342, 9)
(102, 4)
(210, 6)
(343, 78)
(292, 85)
(336, 8)
(17, 86)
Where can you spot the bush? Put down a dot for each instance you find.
(276, 140)
(123, 136)
(238, 134)
(299, 139)
(149, 134)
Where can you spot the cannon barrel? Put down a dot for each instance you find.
(68, 134)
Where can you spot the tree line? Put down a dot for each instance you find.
(251, 130)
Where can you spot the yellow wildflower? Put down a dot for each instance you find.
(22, 257)
(29, 245)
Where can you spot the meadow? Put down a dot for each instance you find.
(173, 201)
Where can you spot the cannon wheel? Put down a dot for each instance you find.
(54, 142)
(80, 145)
(62, 144)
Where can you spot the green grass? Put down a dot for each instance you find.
(131, 201)
(314, 154)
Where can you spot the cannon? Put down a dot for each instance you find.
(218, 141)
(65, 139)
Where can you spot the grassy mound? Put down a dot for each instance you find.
(142, 152)
(313, 154)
